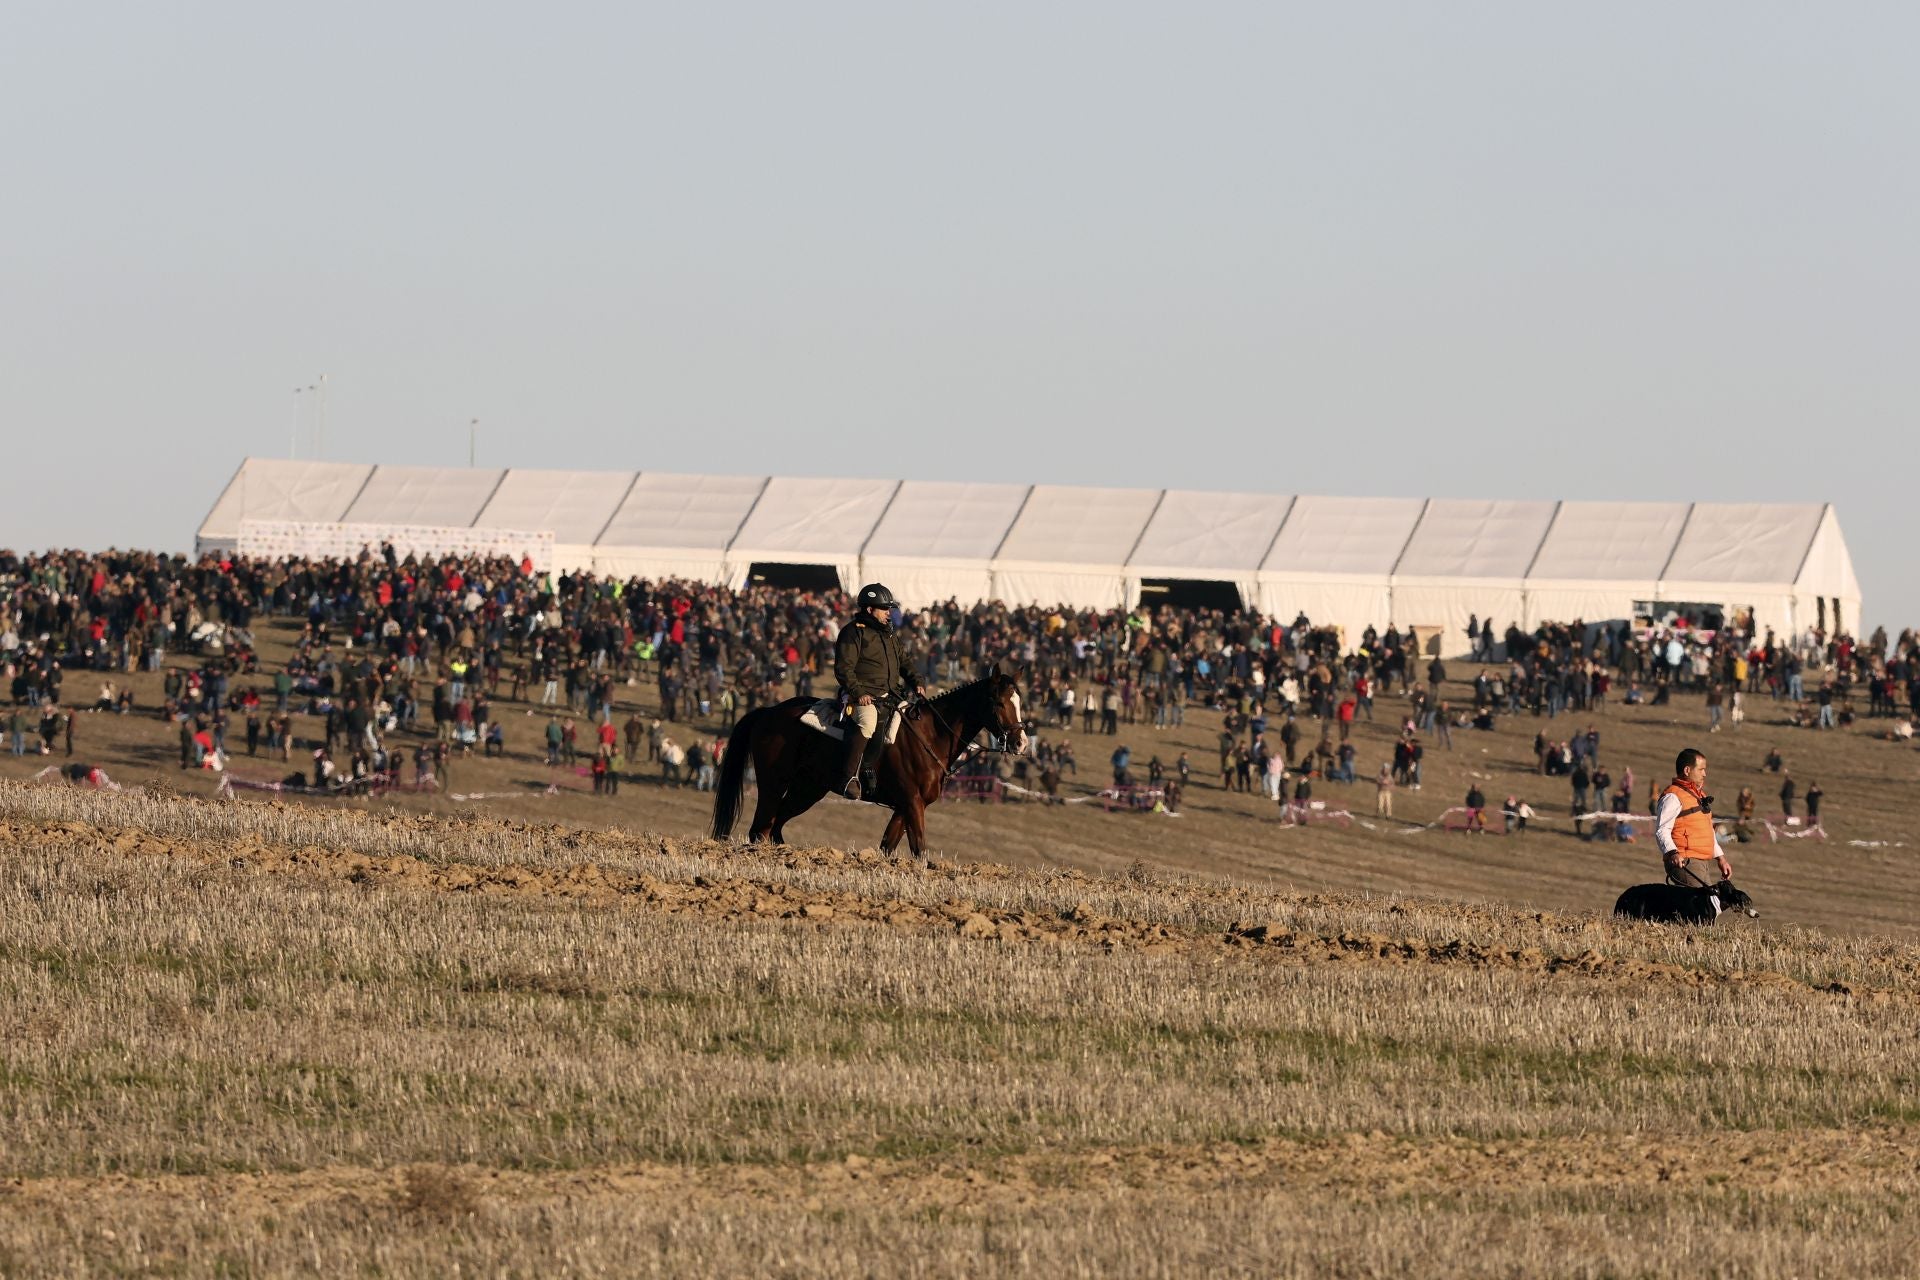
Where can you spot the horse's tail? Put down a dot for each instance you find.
(733, 775)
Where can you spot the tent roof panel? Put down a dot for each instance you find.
(284, 489)
(1211, 532)
(1343, 536)
(1066, 524)
(664, 510)
(943, 520)
(814, 517)
(1609, 542)
(1744, 542)
(1475, 538)
(440, 497)
(574, 504)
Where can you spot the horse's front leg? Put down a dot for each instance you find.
(915, 821)
(895, 825)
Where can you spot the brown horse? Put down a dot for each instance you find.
(796, 765)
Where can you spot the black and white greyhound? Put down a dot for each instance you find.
(1672, 904)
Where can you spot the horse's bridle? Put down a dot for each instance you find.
(996, 742)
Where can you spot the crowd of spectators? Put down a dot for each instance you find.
(389, 645)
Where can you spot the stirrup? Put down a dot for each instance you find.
(851, 788)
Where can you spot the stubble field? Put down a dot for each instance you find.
(264, 1040)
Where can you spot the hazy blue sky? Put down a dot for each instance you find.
(1658, 250)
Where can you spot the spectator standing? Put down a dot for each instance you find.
(1275, 776)
(1814, 794)
(1581, 781)
(1383, 791)
(1787, 791)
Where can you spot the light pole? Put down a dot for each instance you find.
(320, 430)
(473, 433)
(293, 437)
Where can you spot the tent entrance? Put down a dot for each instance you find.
(1190, 593)
(1667, 613)
(793, 577)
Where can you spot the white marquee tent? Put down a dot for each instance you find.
(1466, 557)
(806, 521)
(938, 538)
(1220, 537)
(428, 497)
(1346, 562)
(1597, 559)
(1789, 562)
(1072, 544)
(279, 489)
(574, 505)
(1333, 560)
(676, 526)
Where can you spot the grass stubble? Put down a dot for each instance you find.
(253, 1040)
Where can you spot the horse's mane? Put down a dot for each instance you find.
(954, 696)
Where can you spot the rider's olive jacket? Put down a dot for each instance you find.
(867, 660)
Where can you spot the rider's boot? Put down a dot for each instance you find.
(856, 747)
(870, 764)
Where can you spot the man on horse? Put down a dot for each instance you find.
(873, 677)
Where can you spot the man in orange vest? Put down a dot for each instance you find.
(1683, 824)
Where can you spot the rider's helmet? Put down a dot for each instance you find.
(876, 596)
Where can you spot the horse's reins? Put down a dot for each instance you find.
(961, 748)
(953, 760)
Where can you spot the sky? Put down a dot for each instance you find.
(1477, 249)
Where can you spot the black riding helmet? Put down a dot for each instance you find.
(876, 596)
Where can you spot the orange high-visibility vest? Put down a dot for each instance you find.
(1693, 829)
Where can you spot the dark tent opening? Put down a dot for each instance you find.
(793, 577)
(1189, 593)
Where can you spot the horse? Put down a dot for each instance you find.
(1676, 904)
(796, 764)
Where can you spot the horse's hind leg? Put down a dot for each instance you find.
(766, 809)
(800, 797)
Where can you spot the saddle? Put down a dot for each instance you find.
(824, 717)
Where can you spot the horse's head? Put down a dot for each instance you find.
(1006, 718)
(1732, 899)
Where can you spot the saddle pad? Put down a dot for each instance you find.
(824, 714)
